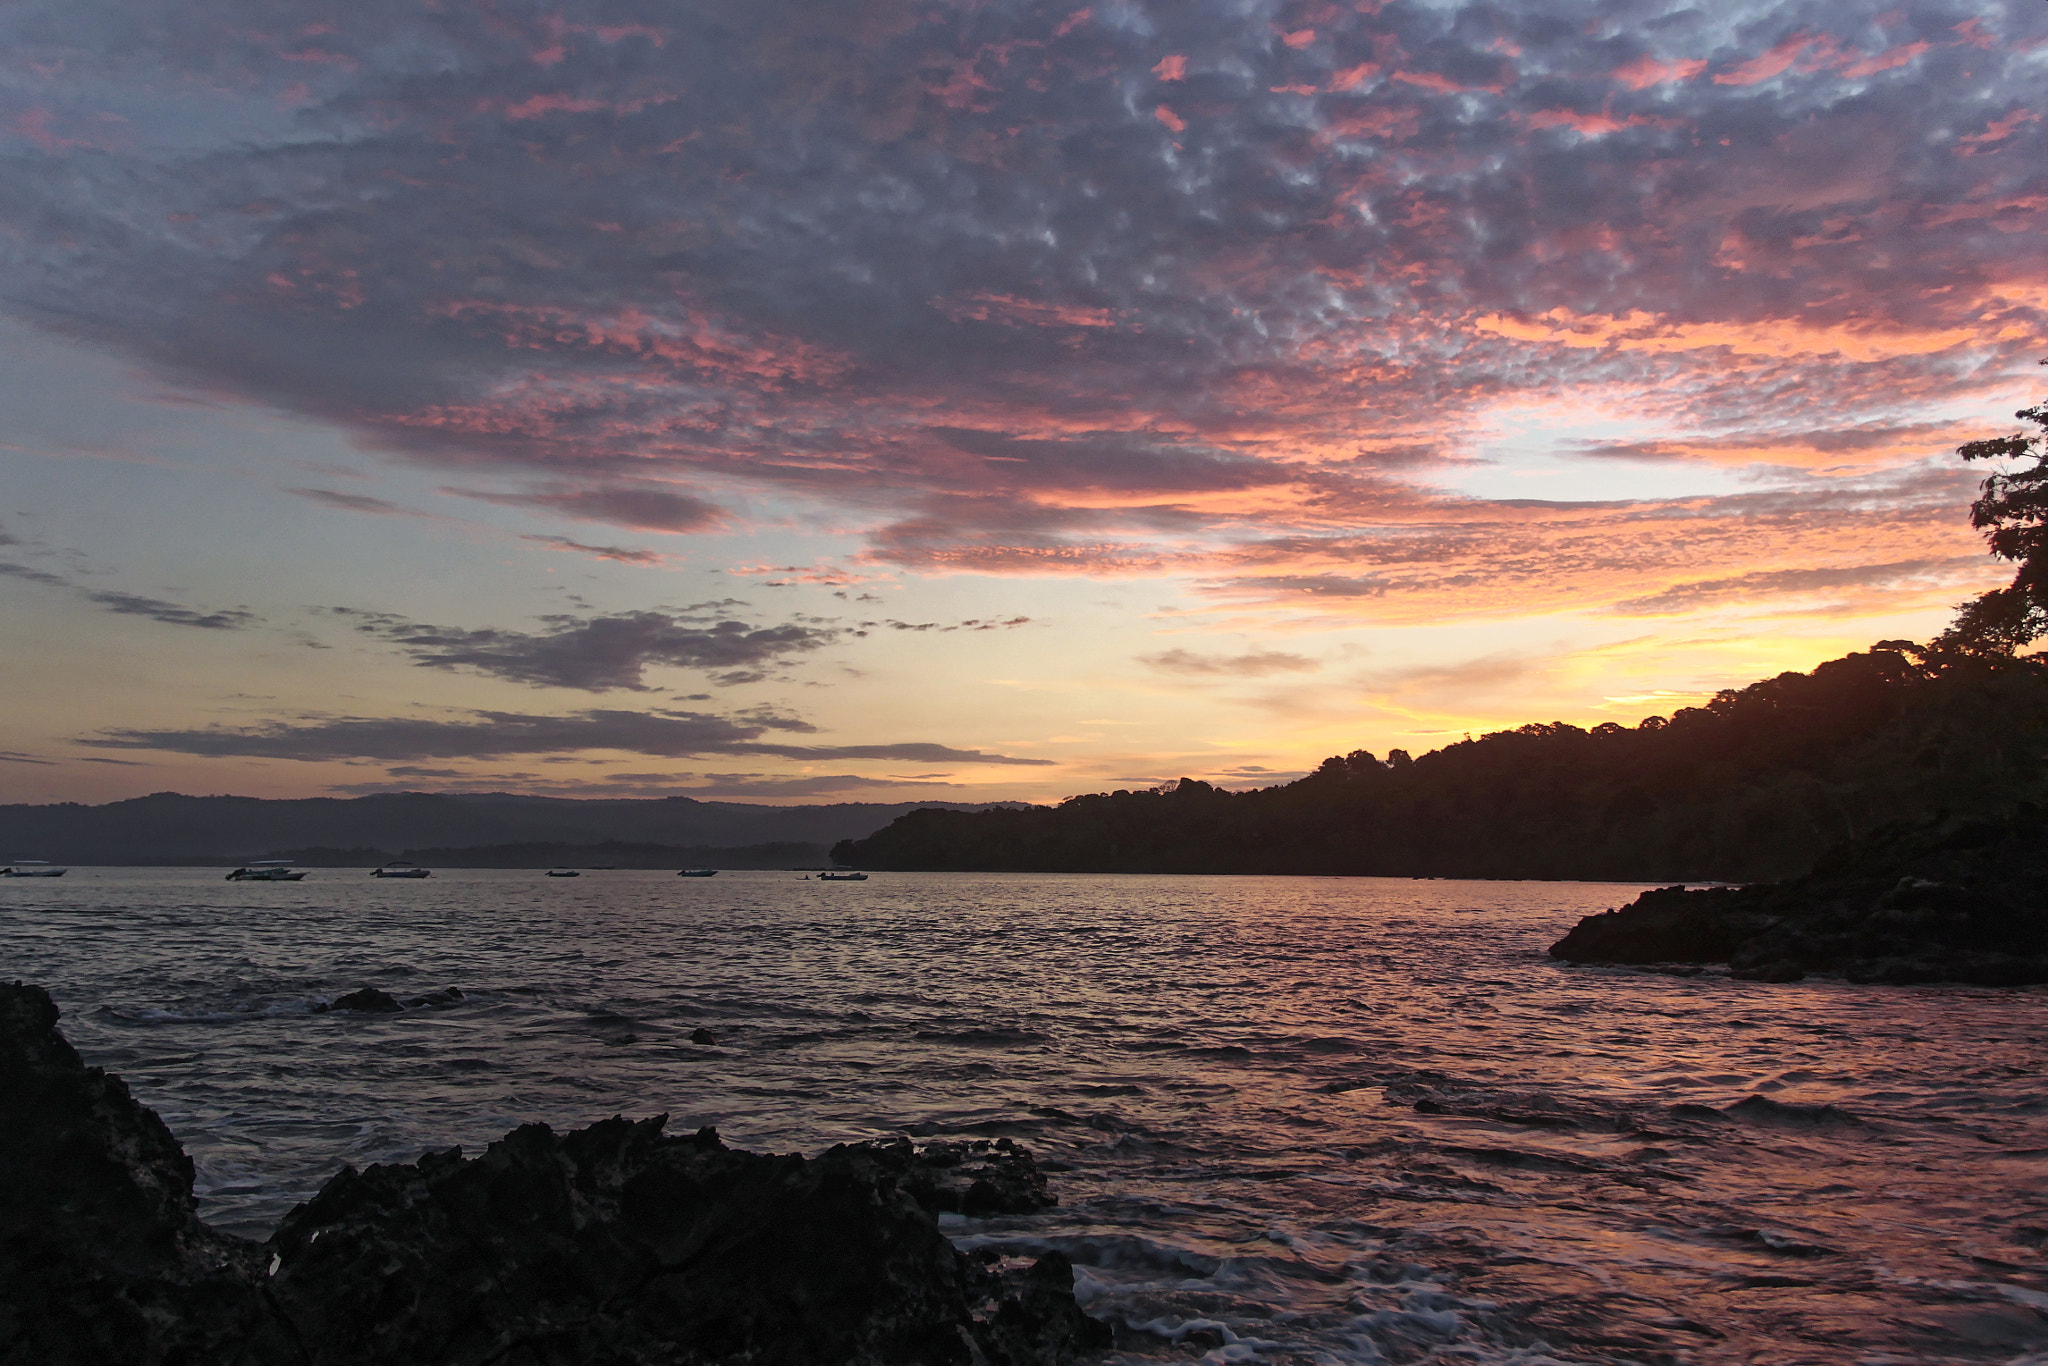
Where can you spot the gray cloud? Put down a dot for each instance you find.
(135, 605)
(1251, 664)
(905, 753)
(492, 734)
(616, 554)
(641, 507)
(353, 502)
(599, 653)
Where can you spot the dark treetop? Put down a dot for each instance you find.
(1756, 783)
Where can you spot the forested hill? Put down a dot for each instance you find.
(1755, 784)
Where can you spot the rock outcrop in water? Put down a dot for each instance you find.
(1952, 901)
(613, 1244)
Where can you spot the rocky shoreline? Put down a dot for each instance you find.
(1957, 900)
(617, 1243)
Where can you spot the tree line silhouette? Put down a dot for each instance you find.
(1754, 784)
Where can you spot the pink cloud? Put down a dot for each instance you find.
(1646, 71)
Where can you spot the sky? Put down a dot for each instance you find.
(850, 400)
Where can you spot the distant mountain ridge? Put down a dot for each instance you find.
(173, 827)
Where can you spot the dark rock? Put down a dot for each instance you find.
(102, 1256)
(369, 1000)
(1947, 901)
(615, 1244)
(703, 1036)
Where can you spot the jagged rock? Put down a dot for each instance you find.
(1949, 901)
(368, 1000)
(102, 1256)
(614, 1244)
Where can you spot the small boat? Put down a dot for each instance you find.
(32, 867)
(398, 867)
(563, 872)
(842, 877)
(267, 870)
(698, 872)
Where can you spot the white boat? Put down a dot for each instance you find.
(842, 877)
(32, 867)
(698, 872)
(267, 870)
(398, 867)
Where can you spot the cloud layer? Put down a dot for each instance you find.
(494, 734)
(599, 653)
(1042, 288)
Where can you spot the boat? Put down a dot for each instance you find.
(563, 872)
(398, 867)
(267, 870)
(32, 867)
(842, 877)
(698, 872)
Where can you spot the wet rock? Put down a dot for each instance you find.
(369, 1000)
(1946, 901)
(102, 1256)
(703, 1036)
(617, 1243)
(977, 1178)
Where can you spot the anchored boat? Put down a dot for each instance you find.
(698, 872)
(267, 870)
(32, 867)
(398, 867)
(842, 877)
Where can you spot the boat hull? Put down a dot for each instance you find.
(33, 872)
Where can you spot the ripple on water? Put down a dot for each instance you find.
(1292, 1120)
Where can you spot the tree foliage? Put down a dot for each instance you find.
(1755, 783)
(2013, 510)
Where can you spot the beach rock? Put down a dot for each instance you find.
(368, 1000)
(102, 1255)
(615, 1244)
(1947, 901)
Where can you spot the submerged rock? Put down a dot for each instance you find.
(1950, 901)
(369, 1000)
(617, 1243)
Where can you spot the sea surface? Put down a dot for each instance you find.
(1290, 1120)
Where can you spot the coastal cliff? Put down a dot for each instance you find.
(616, 1243)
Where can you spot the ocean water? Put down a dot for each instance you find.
(1290, 1120)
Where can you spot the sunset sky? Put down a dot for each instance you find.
(829, 400)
